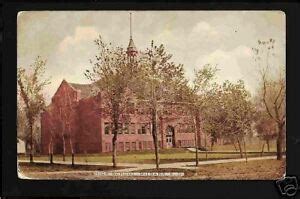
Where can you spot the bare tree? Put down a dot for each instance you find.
(66, 109)
(51, 143)
(68, 119)
(273, 88)
(31, 85)
(62, 130)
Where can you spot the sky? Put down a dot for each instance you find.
(195, 38)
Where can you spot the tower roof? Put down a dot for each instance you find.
(131, 49)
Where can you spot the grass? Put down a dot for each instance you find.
(166, 156)
(252, 170)
(254, 146)
(45, 167)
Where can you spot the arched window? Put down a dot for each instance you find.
(107, 128)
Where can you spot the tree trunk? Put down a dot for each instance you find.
(72, 150)
(51, 158)
(154, 135)
(198, 129)
(161, 132)
(73, 163)
(212, 144)
(196, 143)
(262, 150)
(279, 141)
(205, 145)
(268, 144)
(64, 148)
(240, 147)
(31, 142)
(283, 144)
(234, 145)
(246, 156)
(114, 144)
(51, 151)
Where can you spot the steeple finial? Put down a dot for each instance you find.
(130, 27)
(131, 49)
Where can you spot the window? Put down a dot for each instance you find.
(144, 129)
(132, 128)
(126, 128)
(140, 145)
(133, 146)
(145, 145)
(179, 129)
(120, 146)
(190, 128)
(107, 147)
(120, 128)
(157, 129)
(127, 146)
(107, 128)
(149, 127)
(140, 128)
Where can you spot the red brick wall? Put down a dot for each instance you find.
(88, 136)
(64, 105)
(87, 126)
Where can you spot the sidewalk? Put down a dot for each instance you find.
(229, 151)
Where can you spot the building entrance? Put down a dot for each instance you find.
(170, 137)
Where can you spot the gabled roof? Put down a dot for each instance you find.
(86, 90)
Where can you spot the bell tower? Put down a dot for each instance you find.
(131, 49)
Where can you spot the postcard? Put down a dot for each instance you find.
(151, 95)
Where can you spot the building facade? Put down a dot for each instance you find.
(76, 121)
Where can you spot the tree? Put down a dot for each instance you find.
(272, 91)
(266, 129)
(112, 73)
(197, 98)
(31, 84)
(237, 111)
(51, 143)
(214, 119)
(203, 89)
(66, 109)
(159, 79)
(21, 119)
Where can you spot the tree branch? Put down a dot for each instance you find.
(264, 98)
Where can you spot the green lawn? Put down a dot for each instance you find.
(166, 156)
(254, 146)
(45, 167)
